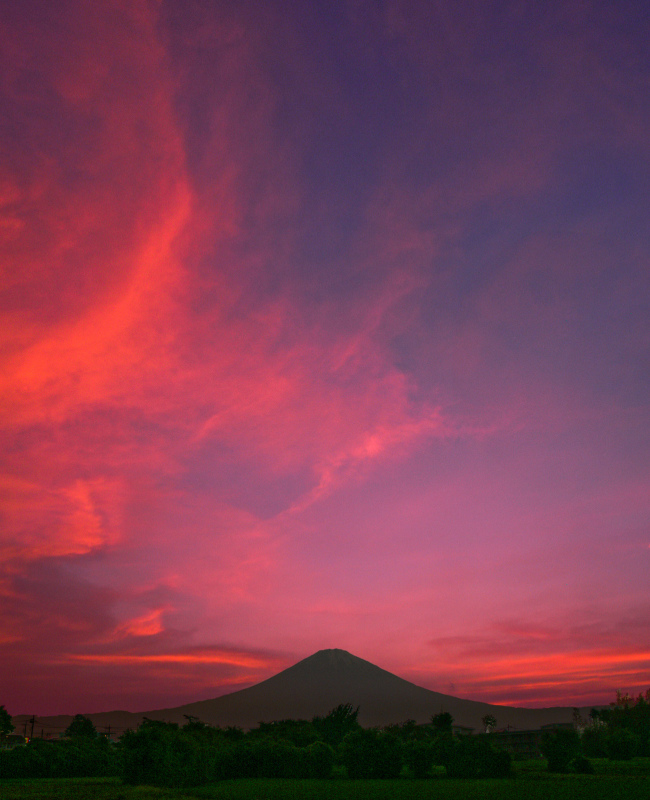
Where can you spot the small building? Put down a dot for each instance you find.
(11, 740)
(520, 744)
(525, 743)
(461, 730)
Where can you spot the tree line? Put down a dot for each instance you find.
(170, 755)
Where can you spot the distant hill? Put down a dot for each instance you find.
(313, 687)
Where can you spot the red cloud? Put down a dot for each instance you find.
(238, 382)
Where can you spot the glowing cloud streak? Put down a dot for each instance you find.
(322, 330)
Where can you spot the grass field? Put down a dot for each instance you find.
(617, 781)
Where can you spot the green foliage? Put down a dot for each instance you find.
(537, 785)
(371, 753)
(319, 760)
(594, 741)
(560, 746)
(442, 722)
(409, 731)
(632, 714)
(442, 744)
(6, 725)
(75, 758)
(164, 755)
(419, 757)
(300, 732)
(621, 731)
(475, 757)
(159, 754)
(581, 766)
(81, 728)
(341, 721)
(622, 744)
(233, 733)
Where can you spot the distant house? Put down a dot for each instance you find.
(552, 725)
(11, 740)
(525, 743)
(462, 730)
(520, 744)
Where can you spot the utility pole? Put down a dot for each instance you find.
(32, 720)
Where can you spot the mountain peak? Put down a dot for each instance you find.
(333, 661)
(326, 679)
(332, 655)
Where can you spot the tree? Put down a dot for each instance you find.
(560, 746)
(627, 713)
(442, 722)
(337, 724)
(81, 728)
(6, 725)
(490, 722)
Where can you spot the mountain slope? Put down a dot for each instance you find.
(319, 683)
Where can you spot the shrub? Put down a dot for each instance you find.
(475, 757)
(60, 759)
(319, 760)
(581, 766)
(419, 758)
(223, 764)
(442, 744)
(622, 745)
(159, 754)
(560, 746)
(298, 732)
(594, 741)
(370, 753)
(629, 713)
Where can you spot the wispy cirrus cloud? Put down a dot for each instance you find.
(320, 331)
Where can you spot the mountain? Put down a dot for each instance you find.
(316, 685)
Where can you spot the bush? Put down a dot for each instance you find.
(632, 714)
(370, 753)
(159, 754)
(60, 759)
(443, 744)
(581, 766)
(560, 747)
(622, 745)
(594, 741)
(319, 760)
(298, 732)
(475, 757)
(419, 758)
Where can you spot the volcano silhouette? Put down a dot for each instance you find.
(316, 685)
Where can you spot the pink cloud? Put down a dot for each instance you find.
(258, 390)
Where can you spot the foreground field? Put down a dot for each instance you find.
(618, 781)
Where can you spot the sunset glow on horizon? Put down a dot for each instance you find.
(323, 327)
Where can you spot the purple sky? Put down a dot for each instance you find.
(323, 325)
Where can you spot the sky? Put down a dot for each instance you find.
(323, 325)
